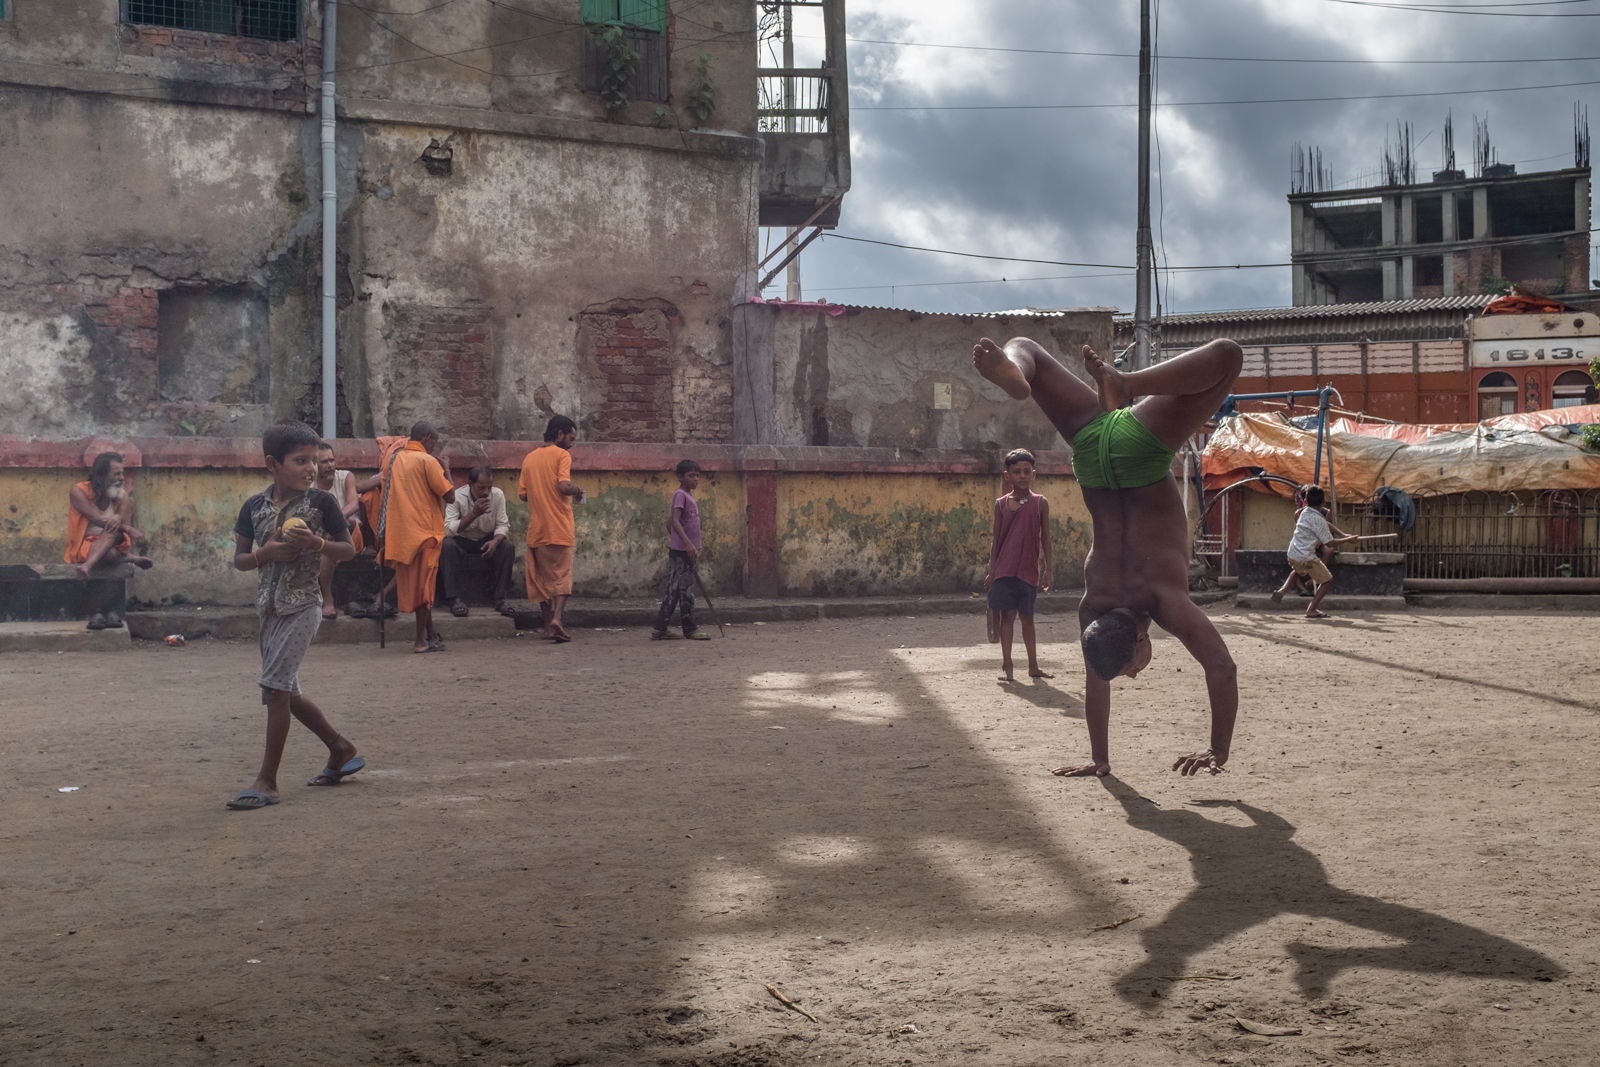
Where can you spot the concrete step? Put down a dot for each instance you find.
(70, 636)
(241, 624)
(1333, 603)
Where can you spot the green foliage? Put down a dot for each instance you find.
(661, 117)
(620, 63)
(1591, 437)
(700, 95)
(1494, 285)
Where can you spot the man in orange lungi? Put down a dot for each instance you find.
(546, 484)
(100, 526)
(412, 521)
(370, 491)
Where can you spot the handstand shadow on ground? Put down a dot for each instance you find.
(1247, 875)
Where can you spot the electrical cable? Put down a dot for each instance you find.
(1228, 59)
(1463, 9)
(1221, 103)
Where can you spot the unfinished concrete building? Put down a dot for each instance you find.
(518, 232)
(1454, 236)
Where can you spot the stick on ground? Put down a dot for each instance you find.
(791, 1005)
(1119, 922)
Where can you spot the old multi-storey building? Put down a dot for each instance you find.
(518, 232)
(1454, 236)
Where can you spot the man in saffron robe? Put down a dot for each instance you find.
(370, 491)
(100, 529)
(412, 520)
(546, 485)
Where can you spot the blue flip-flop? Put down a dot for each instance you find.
(336, 776)
(250, 800)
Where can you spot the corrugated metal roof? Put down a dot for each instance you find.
(1433, 319)
(1316, 311)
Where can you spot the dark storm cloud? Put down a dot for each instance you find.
(1060, 185)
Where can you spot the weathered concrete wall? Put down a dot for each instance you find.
(880, 378)
(507, 248)
(848, 521)
(867, 534)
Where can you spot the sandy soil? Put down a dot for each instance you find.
(601, 853)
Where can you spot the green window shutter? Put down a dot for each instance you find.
(598, 11)
(645, 14)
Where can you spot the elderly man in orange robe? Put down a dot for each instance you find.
(370, 490)
(413, 528)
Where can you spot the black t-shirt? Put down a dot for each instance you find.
(290, 585)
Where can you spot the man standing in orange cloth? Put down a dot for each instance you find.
(412, 520)
(370, 491)
(546, 485)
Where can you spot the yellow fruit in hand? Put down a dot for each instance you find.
(292, 524)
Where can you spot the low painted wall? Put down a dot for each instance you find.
(801, 521)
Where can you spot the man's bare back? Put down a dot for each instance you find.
(1138, 565)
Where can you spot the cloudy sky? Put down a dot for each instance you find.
(1059, 184)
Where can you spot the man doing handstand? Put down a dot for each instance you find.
(1137, 570)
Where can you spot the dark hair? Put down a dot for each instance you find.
(100, 473)
(422, 430)
(685, 466)
(324, 445)
(1315, 496)
(558, 425)
(478, 472)
(1109, 643)
(1017, 455)
(285, 436)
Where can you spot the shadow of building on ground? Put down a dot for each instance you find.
(1245, 876)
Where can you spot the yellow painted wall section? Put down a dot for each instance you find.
(1268, 521)
(868, 534)
(622, 532)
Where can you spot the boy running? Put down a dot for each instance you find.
(1312, 533)
(683, 553)
(1021, 530)
(284, 532)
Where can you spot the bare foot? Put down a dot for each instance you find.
(1006, 677)
(991, 362)
(82, 571)
(1035, 672)
(329, 611)
(144, 563)
(1086, 770)
(420, 647)
(558, 633)
(1109, 380)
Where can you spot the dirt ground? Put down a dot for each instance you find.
(600, 853)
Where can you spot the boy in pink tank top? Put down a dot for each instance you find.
(1021, 533)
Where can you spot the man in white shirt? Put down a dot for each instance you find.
(476, 525)
(1311, 533)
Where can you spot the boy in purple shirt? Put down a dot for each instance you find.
(683, 552)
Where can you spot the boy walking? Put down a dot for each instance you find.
(284, 532)
(683, 553)
(1312, 533)
(1021, 532)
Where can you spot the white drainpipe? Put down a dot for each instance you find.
(330, 229)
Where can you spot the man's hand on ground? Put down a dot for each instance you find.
(1094, 769)
(1195, 762)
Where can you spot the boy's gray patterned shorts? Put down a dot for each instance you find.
(284, 640)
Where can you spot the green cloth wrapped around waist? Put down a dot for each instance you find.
(1117, 451)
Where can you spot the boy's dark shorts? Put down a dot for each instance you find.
(1013, 594)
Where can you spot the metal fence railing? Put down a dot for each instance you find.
(271, 20)
(1550, 534)
(794, 103)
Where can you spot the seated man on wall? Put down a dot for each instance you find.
(476, 527)
(100, 520)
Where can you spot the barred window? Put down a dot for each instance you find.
(644, 30)
(270, 20)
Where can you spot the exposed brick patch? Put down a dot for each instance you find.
(702, 403)
(630, 349)
(443, 368)
(162, 43)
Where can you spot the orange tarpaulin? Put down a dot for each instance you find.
(1533, 450)
(1524, 302)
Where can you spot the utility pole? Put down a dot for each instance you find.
(1146, 251)
(330, 228)
(792, 290)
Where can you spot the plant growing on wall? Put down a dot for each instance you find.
(1494, 285)
(618, 64)
(700, 95)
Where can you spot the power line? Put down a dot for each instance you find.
(1222, 103)
(1226, 59)
(1462, 9)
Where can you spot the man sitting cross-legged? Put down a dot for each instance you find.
(100, 526)
(1137, 570)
